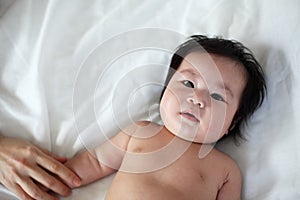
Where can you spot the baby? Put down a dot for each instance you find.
(213, 85)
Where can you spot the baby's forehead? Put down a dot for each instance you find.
(208, 64)
(200, 57)
(196, 64)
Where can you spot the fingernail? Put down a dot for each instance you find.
(76, 182)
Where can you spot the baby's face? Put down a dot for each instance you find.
(202, 97)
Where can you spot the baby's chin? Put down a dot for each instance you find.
(205, 141)
(193, 136)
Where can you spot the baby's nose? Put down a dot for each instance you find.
(196, 101)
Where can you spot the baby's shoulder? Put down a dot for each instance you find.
(232, 176)
(225, 160)
(146, 123)
(145, 128)
(138, 124)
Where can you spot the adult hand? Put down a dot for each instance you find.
(29, 171)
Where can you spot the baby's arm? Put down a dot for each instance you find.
(101, 161)
(231, 189)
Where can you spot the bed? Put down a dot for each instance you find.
(74, 72)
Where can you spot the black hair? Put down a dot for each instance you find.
(255, 89)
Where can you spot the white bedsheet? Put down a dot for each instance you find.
(66, 69)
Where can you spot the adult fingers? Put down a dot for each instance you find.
(49, 181)
(33, 190)
(57, 168)
(18, 191)
(58, 158)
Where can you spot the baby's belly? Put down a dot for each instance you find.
(148, 187)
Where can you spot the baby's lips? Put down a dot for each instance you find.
(190, 116)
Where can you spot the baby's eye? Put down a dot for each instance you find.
(217, 97)
(188, 83)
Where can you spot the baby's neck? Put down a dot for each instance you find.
(201, 149)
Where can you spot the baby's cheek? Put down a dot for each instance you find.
(218, 121)
(171, 98)
(229, 117)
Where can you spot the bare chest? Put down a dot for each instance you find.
(165, 168)
(181, 180)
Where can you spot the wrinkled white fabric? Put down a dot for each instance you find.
(66, 72)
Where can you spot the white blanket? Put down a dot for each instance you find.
(73, 72)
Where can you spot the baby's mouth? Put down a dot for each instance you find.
(189, 116)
